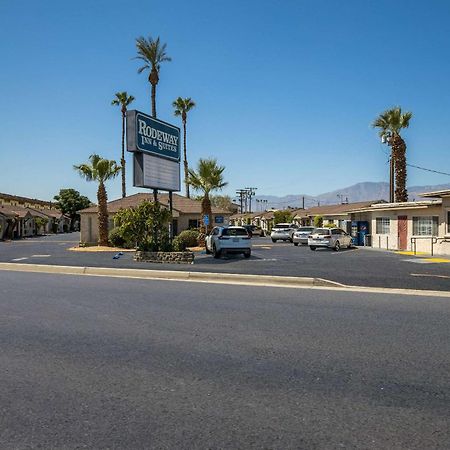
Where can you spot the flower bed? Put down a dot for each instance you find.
(165, 257)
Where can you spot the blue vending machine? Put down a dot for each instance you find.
(359, 230)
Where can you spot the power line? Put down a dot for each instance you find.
(428, 170)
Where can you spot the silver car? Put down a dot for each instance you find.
(300, 236)
(334, 238)
(283, 232)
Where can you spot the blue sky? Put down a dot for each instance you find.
(285, 90)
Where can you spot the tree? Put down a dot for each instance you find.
(223, 202)
(318, 221)
(40, 223)
(146, 225)
(122, 99)
(182, 107)
(100, 170)
(153, 53)
(282, 217)
(207, 178)
(390, 123)
(70, 201)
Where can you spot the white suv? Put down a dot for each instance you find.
(228, 240)
(283, 232)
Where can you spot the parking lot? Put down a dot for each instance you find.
(360, 266)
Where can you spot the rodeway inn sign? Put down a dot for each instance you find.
(149, 135)
(156, 152)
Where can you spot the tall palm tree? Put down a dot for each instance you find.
(182, 107)
(390, 123)
(100, 170)
(207, 178)
(122, 99)
(153, 53)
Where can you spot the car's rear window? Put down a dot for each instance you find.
(308, 229)
(234, 232)
(322, 231)
(282, 225)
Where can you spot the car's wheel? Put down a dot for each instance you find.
(337, 246)
(216, 253)
(262, 234)
(296, 244)
(274, 240)
(291, 241)
(312, 247)
(247, 254)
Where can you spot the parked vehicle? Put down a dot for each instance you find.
(283, 232)
(300, 236)
(334, 238)
(253, 230)
(231, 239)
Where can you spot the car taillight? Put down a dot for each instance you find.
(327, 236)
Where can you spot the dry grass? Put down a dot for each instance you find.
(99, 248)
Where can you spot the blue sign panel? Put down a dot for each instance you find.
(218, 219)
(149, 135)
(206, 219)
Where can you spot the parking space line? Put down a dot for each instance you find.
(429, 275)
(41, 256)
(19, 259)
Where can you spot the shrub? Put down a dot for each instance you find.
(318, 221)
(187, 238)
(116, 238)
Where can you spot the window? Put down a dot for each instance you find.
(425, 226)
(383, 225)
(234, 232)
(448, 222)
(193, 223)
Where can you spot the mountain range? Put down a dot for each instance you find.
(357, 193)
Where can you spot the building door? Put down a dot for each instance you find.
(175, 227)
(402, 232)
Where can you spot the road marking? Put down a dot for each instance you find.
(417, 261)
(429, 275)
(19, 259)
(437, 260)
(408, 253)
(41, 256)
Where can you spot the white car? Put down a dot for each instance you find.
(300, 236)
(228, 240)
(283, 232)
(334, 238)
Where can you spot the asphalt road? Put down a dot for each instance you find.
(360, 267)
(93, 362)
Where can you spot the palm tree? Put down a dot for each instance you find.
(153, 53)
(123, 100)
(100, 170)
(390, 123)
(207, 178)
(182, 107)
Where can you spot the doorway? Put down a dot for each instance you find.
(402, 232)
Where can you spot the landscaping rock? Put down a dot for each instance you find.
(165, 257)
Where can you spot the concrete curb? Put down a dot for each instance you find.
(218, 278)
(210, 277)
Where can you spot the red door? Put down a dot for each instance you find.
(402, 232)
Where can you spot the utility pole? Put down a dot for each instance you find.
(250, 193)
(303, 202)
(241, 193)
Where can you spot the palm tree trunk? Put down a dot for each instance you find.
(186, 167)
(102, 199)
(206, 210)
(122, 161)
(399, 153)
(154, 100)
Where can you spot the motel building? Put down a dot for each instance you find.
(187, 214)
(422, 226)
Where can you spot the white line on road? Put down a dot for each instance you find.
(429, 275)
(19, 259)
(41, 256)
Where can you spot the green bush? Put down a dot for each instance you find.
(187, 238)
(116, 238)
